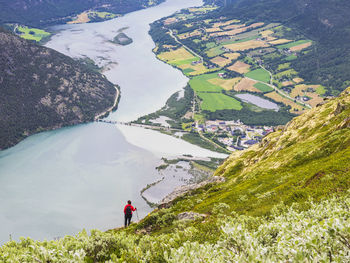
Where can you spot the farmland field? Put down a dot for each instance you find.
(263, 87)
(298, 90)
(218, 101)
(226, 84)
(176, 55)
(213, 52)
(259, 75)
(246, 85)
(301, 47)
(240, 67)
(220, 61)
(293, 44)
(193, 70)
(295, 108)
(232, 56)
(279, 41)
(286, 74)
(201, 83)
(251, 44)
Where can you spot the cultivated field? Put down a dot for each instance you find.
(226, 84)
(251, 44)
(240, 67)
(232, 56)
(301, 47)
(213, 52)
(263, 87)
(201, 83)
(293, 44)
(295, 108)
(279, 41)
(220, 61)
(246, 85)
(180, 54)
(259, 75)
(218, 101)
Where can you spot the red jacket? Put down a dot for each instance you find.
(132, 208)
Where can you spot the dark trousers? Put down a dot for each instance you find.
(127, 220)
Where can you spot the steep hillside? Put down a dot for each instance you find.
(46, 12)
(285, 200)
(324, 21)
(42, 89)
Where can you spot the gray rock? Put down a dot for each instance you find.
(180, 191)
(190, 216)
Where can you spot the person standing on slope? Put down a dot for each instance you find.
(128, 209)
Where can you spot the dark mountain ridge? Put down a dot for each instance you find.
(48, 12)
(41, 89)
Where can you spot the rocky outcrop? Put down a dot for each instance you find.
(180, 191)
(190, 216)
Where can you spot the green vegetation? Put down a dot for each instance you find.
(185, 61)
(213, 52)
(201, 84)
(290, 73)
(259, 75)
(32, 33)
(291, 57)
(320, 90)
(218, 101)
(263, 87)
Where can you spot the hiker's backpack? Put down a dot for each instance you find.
(128, 211)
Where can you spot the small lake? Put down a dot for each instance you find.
(260, 102)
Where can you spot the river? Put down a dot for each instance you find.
(60, 182)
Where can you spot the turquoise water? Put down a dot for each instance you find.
(58, 182)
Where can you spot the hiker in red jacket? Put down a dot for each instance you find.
(128, 209)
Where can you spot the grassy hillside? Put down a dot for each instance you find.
(41, 89)
(285, 200)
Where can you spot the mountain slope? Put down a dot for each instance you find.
(42, 89)
(46, 12)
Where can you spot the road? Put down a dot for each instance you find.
(277, 89)
(110, 108)
(186, 47)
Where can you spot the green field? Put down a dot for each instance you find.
(263, 87)
(286, 74)
(32, 33)
(210, 45)
(183, 62)
(240, 40)
(200, 83)
(105, 15)
(213, 52)
(291, 57)
(259, 75)
(293, 44)
(218, 101)
(187, 70)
